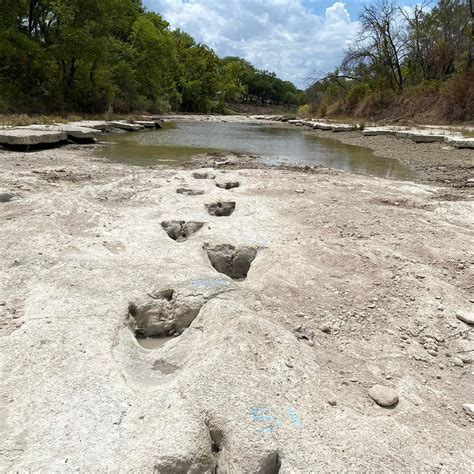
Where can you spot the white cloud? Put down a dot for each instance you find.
(278, 35)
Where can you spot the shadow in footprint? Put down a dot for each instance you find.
(271, 464)
(189, 192)
(6, 197)
(231, 261)
(221, 209)
(227, 184)
(181, 230)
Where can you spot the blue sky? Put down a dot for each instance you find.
(294, 38)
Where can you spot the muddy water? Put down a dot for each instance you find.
(277, 144)
(153, 343)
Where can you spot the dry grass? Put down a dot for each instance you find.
(21, 120)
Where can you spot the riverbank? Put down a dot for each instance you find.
(434, 163)
(343, 282)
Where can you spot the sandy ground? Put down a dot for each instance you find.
(357, 281)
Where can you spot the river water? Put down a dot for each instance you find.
(276, 144)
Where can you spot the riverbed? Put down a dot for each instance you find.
(275, 144)
(356, 281)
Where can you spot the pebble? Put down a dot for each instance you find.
(469, 409)
(431, 352)
(383, 396)
(332, 402)
(465, 317)
(325, 328)
(457, 362)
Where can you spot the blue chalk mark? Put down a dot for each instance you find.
(295, 419)
(270, 422)
(263, 415)
(208, 283)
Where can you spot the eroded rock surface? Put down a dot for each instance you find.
(250, 384)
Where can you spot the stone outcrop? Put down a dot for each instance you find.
(73, 132)
(128, 127)
(29, 137)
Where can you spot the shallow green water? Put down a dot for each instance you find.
(277, 145)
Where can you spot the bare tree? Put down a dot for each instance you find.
(382, 42)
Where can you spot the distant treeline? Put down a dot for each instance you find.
(406, 62)
(98, 56)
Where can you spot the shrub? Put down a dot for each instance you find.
(457, 98)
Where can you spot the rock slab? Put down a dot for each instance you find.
(29, 137)
(129, 127)
(73, 132)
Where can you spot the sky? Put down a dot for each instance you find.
(296, 39)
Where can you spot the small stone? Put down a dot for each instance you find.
(431, 352)
(465, 317)
(469, 409)
(457, 362)
(466, 359)
(332, 402)
(326, 328)
(383, 396)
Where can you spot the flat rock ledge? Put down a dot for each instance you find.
(30, 137)
(383, 396)
(129, 127)
(418, 135)
(73, 132)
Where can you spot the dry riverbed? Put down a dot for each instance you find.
(289, 296)
(434, 163)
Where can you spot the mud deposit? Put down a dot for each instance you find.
(321, 326)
